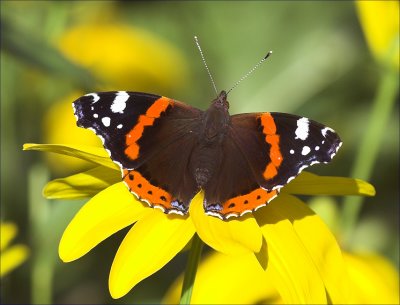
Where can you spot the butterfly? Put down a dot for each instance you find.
(168, 151)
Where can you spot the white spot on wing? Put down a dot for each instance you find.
(316, 147)
(119, 126)
(95, 115)
(159, 207)
(119, 103)
(306, 150)
(173, 211)
(96, 97)
(325, 130)
(106, 121)
(302, 129)
(291, 151)
(214, 214)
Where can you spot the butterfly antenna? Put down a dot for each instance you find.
(251, 71)
(205, 64)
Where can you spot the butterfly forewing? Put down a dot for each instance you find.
(112, 115)
(279, 145)
(144, 134)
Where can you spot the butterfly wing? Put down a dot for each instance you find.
(144, 134)
(234, 190)
(287, 144)
(266, 151)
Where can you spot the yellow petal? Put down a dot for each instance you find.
(289, 263)
(236, 236)
(320, 244)
(92, 154)
(374, 280)
(82, 185)
(8, 231)
(151, 243)
(106, 213)
(12, 258)
(311, 184)
(225, 279)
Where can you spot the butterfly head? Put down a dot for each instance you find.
(221, 101)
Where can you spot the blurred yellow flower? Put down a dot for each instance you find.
(374, 280)
(125, 57)
(13, 256)
(223, 279)
(271, 236)
(380, 22)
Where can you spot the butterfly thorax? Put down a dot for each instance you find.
(214, 127)
(215, 121)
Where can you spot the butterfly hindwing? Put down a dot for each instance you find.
(234, 189)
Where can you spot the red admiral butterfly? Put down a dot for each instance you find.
(168, 151)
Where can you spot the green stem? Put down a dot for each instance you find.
(42, 259)
(370, 144)
(191, 269)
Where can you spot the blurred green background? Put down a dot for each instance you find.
(53, 52)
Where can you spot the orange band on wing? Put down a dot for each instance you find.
(267, 121)
(270, 171)
(147, 119)
(248, 202)
(269, 129)
(140, 186)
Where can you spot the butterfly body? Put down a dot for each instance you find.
(168, 151)
(213, 128)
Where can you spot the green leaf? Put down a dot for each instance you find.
(26, 46)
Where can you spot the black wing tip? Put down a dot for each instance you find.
(334, 141)
(81, 108)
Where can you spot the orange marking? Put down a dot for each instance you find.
(139, 185)
(270, 171)
(147, 119)
(247, 202)
(269, 130)
(274, 153)
(267, 121)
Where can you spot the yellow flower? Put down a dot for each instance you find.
(367, 278)
(380, 22)
(223, 279)
(123, 56)
(13, 256)
(271, 236)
